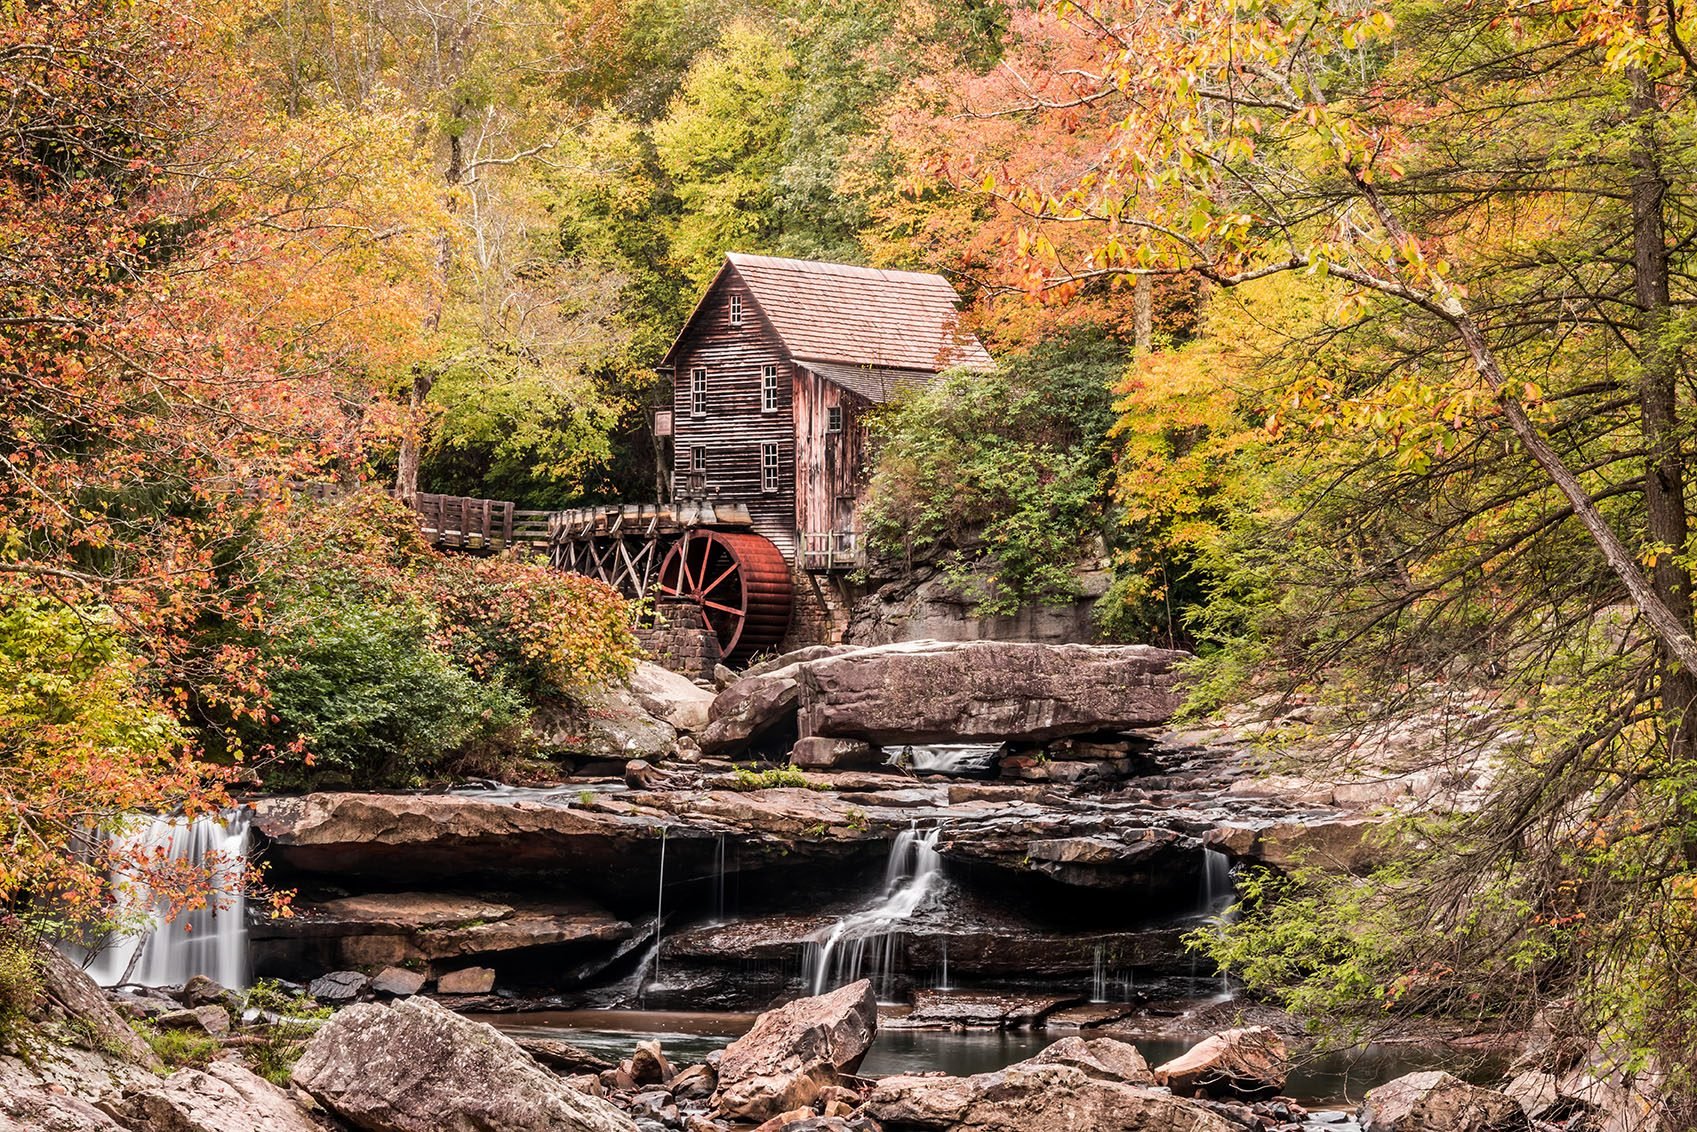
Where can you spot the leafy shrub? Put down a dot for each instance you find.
(1001, 477)
(370, 697)
(386, 662)
(20, 979)
(281, 1040)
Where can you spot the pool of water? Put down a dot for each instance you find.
(1334, 1080)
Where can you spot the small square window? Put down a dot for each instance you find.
(769, 389)
(698, 459)
(698, 393)
(834, 419)
(736, 310)
(769, 467)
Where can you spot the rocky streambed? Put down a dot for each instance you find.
(804, 826)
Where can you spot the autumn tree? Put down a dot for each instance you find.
(1493, 205)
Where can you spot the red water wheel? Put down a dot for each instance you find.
(740, 582)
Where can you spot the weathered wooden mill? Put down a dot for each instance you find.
(773, 376)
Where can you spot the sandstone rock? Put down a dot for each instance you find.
(1102, 1058)
(649, 1065)
(222, 1097)
(748, 707)
(467, 980)
(793, 1052)
(1535, 1091)
(695, 1082)
(929, 691)
(986, 1009)
(1248, 1062)
(38, 1109)
(1031, 1097)
(398, 982)
(91, 1020)
(338, 986)
(832, 754)
(562, 1056)
(213, 1020)
(1438, 1102)
(417, 1067)
(609, 723)
(393, 928)
(667, 695)
(203, 991)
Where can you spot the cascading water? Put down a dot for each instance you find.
(659, 907)
(1218, 896)
(719, 882)
(865, 942)
(211, 940)
(1099, 977)
(949, 758)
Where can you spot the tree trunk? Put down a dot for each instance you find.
(1658, 404)
(1143, 295)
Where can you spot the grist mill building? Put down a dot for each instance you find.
(773, 375)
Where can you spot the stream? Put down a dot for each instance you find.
(1334, 1081)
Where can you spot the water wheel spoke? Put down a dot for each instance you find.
(714, 584)
(721, 608)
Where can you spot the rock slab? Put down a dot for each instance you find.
(1033, 1097)
(1439, 1102)
(417, 1067)
(221, 1097)
(966, 691)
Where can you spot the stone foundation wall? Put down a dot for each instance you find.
(820, 614)
(689, 650)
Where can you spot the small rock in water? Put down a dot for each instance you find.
(467, 980)
(1247, 1062)
(695, 1082)
(1435, 1101)
(649, 1065)
(202, 991)
(398, 982)
(338, 986)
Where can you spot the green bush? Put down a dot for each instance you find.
(20, 981)
(773, 778)
(180, 1048)
(371, 699)
(1001, 477)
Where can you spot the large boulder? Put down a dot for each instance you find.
(1439, 1102)
(417, 1067)
(1102, 1058)
(87, 1017)
(221, 1097)
(1247, 1062)
(748, 708)
(668, 696)
(608, 723)
(793, 1052)
(931, 691)
(1033, 1097)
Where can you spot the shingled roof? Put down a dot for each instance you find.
(872, 330)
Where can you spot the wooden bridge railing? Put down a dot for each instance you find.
(833, 550)
(462, 522)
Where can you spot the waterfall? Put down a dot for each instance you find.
(211, 940)
(1218, 893)
(866, 940)
(1099, 978)
(1218, 896)
(949, 758)
(660, 904)
(943, 978)
(719, 882)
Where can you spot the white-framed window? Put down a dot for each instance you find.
(768, 389)
(698, 460)
(698, 392)
(834, 418)
(736, 310)
(769, 466)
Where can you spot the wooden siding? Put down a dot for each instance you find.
(831, 464)
(734, 428)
